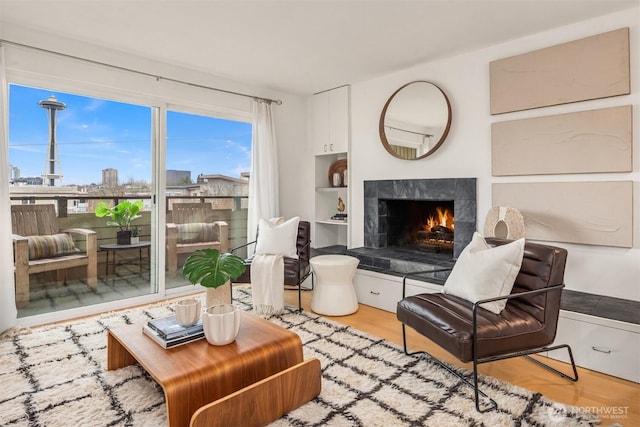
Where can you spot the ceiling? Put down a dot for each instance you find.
(299, 46)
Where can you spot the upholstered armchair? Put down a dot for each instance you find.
(527, 324)
(296, 270)
(39, 246)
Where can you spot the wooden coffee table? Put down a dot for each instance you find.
(195, 374)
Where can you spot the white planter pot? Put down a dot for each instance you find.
(219, 295)
(221, 324)
(135, 240)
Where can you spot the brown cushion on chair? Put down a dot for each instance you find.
(50, 246)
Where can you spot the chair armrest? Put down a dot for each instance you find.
(18, 238)
(415, 273)
(242, 246)
(82, 231)
(305, 246)
(20, 250)
(518, 294)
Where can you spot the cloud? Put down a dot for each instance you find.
(94, 105)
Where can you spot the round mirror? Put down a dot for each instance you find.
(415, 120)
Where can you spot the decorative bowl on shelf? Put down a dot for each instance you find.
(339, 167)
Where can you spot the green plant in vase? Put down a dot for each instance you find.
(121, 216)
(213, 270)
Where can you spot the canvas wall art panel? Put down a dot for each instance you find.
(592, 213)
(589, 68)
(594, 141)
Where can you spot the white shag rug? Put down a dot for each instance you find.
(56, 376)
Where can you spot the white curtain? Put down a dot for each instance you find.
(263, 179)
(8, 312)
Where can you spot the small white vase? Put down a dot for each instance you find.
(187, 311)
(221, 324)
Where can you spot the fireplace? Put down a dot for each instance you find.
(423, 225)
(397, 214)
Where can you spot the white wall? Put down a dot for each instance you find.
(467, 150)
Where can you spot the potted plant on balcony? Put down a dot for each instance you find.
(121, 216)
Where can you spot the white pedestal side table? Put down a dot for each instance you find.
(334, 294)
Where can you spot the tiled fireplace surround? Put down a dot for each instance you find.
(462, 191)
(398, 261)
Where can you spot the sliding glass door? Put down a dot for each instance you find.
(207, 184)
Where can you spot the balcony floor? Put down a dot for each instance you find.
(125, 282)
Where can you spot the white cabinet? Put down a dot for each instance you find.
(329, 126)
(383, 291)
(599, 344)
(603, 345)
(330, 121)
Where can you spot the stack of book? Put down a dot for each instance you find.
(168, 333)
(340, 217)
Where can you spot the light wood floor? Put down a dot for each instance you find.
(593, 389)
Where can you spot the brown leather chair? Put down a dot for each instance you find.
(526, 326)
(297, 270)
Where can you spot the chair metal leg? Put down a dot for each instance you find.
(573, 378)
(492, 405)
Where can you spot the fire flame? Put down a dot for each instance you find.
(444, 219)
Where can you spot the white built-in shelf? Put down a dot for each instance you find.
(331, 189)
(332, 222)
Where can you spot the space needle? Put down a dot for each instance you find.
(52, 105)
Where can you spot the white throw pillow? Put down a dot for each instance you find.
(483, 271)
(278, 239)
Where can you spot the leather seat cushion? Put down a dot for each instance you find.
(447, 320)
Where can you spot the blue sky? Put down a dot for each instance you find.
(94, 134)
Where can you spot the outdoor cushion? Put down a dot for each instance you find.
(51, 246)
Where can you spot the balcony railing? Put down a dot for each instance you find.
(78, 212)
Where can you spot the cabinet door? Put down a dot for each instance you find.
(320, 123)
(339, 120)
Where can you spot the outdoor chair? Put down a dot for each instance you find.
(526, 325)
(40, 246)
(193, 227)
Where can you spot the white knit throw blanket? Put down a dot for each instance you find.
(267, 284)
